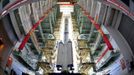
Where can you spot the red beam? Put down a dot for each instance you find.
(102, 55)
(105, 38)
(26, 38)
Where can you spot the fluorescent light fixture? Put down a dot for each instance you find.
(5, 11)
(63, 2)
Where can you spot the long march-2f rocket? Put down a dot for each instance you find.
(65, 53)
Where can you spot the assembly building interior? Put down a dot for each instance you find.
(66, 37)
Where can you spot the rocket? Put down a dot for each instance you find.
(65, 53)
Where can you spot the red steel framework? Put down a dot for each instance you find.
(105, 38)
(26, 38)
(16, 4)
(97, 26)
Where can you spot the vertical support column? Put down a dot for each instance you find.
(50, 21)
(81, 24)
(53, 17)
(55, 14)
(79, 17)
(41, 31)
